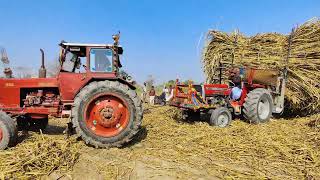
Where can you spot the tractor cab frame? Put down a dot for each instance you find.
(103, 58)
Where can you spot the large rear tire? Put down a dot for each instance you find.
(107, 114)
(8, 131)
(258, 106)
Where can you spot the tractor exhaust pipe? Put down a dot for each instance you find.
(42, 70)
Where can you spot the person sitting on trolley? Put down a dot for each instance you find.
(235, 79)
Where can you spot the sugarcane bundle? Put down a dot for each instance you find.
(38, 156)
(271, 51)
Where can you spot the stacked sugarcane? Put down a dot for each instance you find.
(40, 155)
(272, 51)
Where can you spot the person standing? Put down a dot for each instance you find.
(152, 94)
(144, 92)
(170, 93)
(165, 90)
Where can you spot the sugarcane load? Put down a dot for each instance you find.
(298, 52)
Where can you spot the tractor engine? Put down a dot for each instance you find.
(41, 98)
(216, 93)
(216, 100)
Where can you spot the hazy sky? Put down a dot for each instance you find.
(160, 37)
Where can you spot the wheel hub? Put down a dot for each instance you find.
(263, 109)
(223, 120)
(107, 115)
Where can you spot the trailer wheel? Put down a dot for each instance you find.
(258, 106)
(8, 131)
(220, 117)
(107, 114)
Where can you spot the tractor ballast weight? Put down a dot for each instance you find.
(103, 107)
(262, 93)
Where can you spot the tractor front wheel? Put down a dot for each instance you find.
(8, 131)
(258, 106)
(107, 114)
(220, 117)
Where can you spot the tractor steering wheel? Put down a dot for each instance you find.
(233, 85)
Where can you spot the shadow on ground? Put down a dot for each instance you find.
(141, 135)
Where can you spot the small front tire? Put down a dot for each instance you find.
(220, 117)
(8, 131)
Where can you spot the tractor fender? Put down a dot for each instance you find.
(131, 86)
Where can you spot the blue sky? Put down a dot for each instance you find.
(159, 37)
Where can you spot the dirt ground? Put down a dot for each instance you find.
(167, 148)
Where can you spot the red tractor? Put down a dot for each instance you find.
(253, 93)
(103, 107)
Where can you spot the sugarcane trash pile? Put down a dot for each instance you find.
(167, 147)
(273, 51)
(175, 149)
(315, 123)
(39, 155)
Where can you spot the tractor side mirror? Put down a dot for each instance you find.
(85, 67)
(120, 50)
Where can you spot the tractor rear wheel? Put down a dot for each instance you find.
(107, 114)
(8, 131)
(220, 117)
(258, 106)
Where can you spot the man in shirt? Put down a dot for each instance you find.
(170, 93)
(144, 92)
(152, 94)
(235, 78)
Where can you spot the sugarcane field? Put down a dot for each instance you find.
(160, 90)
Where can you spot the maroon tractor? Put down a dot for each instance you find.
(254, 94)
(102, 105)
